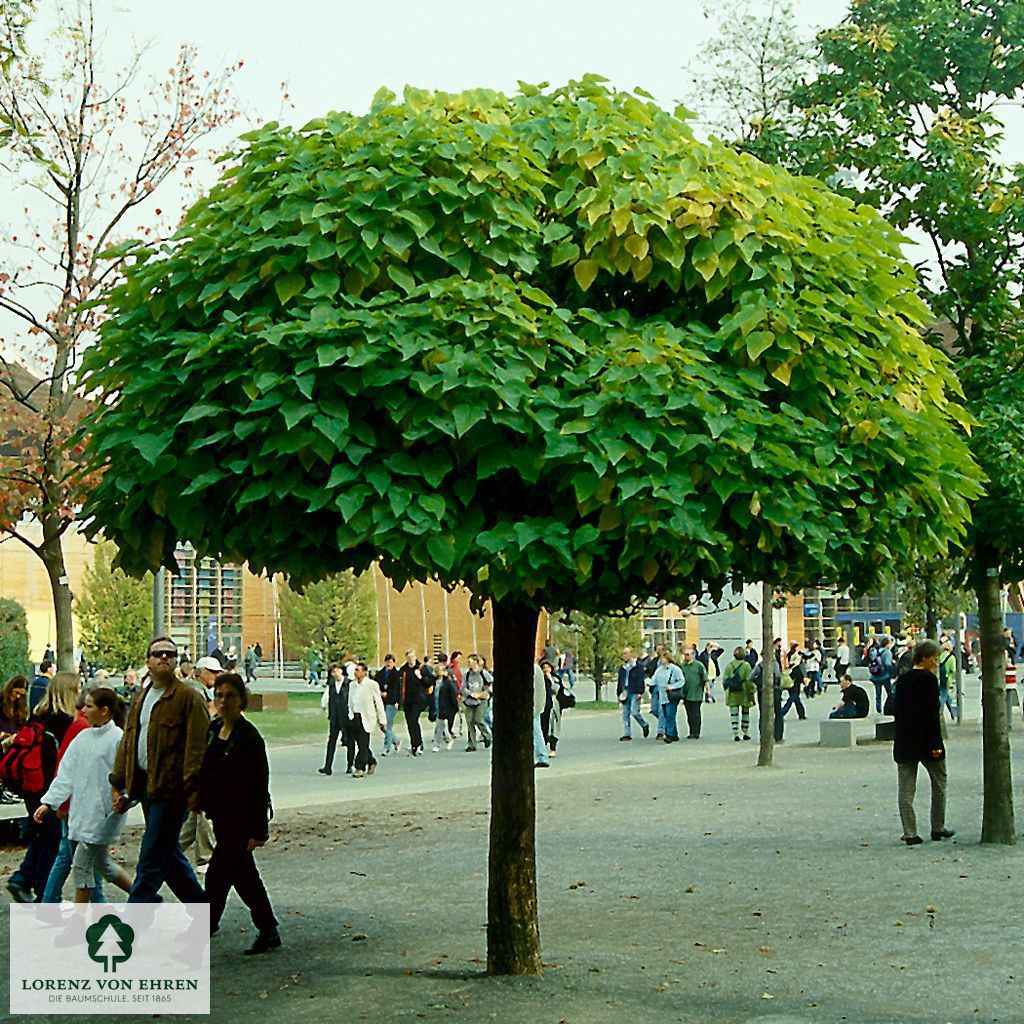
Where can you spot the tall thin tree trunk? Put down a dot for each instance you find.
(513, 935)
(767, 709)
(52, 555)
(931, 615)
(997, 824)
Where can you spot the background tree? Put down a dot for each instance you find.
(744, 77)
(14, 653)
(906, 112)
(333, 616)
(469, 290)
(597, 641)
(89, 150)
(115, 611)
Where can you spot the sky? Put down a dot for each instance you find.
(335, 55)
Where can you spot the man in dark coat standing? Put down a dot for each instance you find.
(335, 703)
(918, 740)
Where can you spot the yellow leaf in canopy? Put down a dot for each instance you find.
(585, 271)
(621, 219)
(909, 402)
(592, 159)
(638, 246)
(650, 570)
(611, 518)
(755, 504)
(784, 371)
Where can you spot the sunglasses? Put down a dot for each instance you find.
(171, 655)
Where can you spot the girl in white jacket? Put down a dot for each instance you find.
(83, 775)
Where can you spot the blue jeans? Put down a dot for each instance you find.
(631, 709)
(947, 699)
(846, 711)
(160, 856)
(887, 683)
(567, 673)
(540, 748)
(62, 868)
(390, 710)
(668, 711)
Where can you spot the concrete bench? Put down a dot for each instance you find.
(268, 702)
(843, 732)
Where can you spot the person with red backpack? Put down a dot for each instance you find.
(28, 766)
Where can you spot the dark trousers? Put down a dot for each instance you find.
(879, 685)
(43, 845)
(364, 756)
(412, 720)
(693, 716)
(233, 865)
(343, 730)
(160, 856)
(794, 698)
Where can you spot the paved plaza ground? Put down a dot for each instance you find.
(677, 883)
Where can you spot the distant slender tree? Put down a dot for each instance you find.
(334, 616)
(91, 150)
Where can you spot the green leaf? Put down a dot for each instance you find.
(288, 287)
(402, 278)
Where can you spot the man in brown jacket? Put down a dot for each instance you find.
(158, 763)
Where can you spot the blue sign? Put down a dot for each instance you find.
(811, 609)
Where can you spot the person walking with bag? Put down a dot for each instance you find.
(476, 699)
(739, 693)
(234, 790)
(668, 682)
(695, 690)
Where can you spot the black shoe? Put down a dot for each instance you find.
(736, 739)
(746, 737)
(325, 771)
(542, 764)
(625, 739)
(349, 770)
(19, 893)
(913, 840)
(265, 941)
(647, 731)
(943, 833)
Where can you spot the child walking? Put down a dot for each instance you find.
(84, 775)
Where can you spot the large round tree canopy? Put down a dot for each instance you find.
(549, 345)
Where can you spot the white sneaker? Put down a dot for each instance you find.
(448, 744)
(385, 752)
(398, 746)
(436, 749)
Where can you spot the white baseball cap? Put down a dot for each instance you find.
(210, 664)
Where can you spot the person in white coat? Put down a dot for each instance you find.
(365, 711)
(84, 776)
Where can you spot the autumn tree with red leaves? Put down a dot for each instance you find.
(88, 150)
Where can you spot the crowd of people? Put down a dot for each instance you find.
(81, 759)
(177, 742)
(455, 696)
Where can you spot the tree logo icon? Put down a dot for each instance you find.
(110, 942)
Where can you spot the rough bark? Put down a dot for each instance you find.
(513, 935)
(997, 823)
(51, 552)
(767, 708)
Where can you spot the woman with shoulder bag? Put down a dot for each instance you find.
(668, 680)
(739, 692)
(234, 790)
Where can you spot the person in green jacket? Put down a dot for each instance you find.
(739, 692)
(695, 689)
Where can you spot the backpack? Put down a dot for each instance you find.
(30, 764)
(875, 666)
(944, 671)
(734, 682)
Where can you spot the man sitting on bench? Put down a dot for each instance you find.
(854, 703)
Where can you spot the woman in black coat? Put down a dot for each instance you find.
(234, 790)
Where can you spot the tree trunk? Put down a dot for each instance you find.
(513, 935)
(997, 825)
(767, 709)
(52, 554)
(931, 615)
